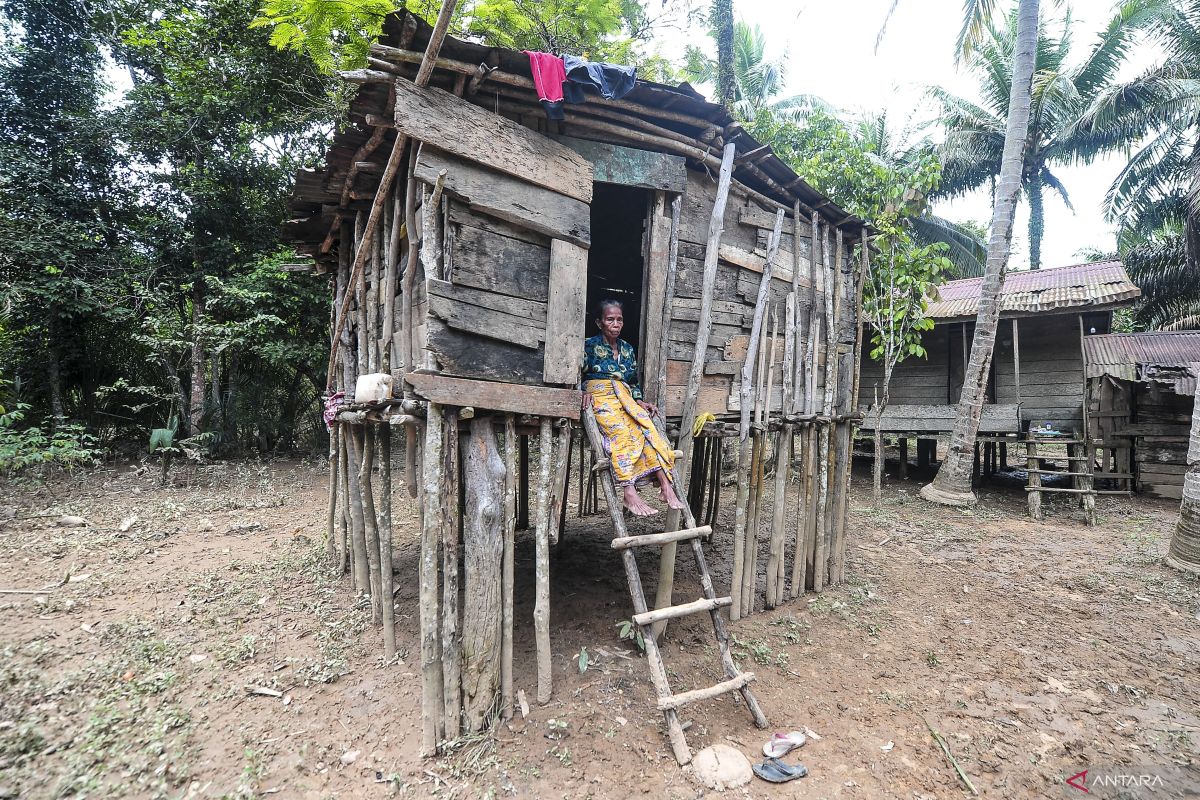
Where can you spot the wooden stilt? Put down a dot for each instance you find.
(335, 457)
(451, 631)
(783, 447)
(806, 495)
(541, 606)
(558, 477)
(347, 524)
(510, 527)
(361, 570)
(523, 485)
(387, 593)
(433, 726)
(365, 470)
(483, 547)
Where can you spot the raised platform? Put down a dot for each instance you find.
(939, 419)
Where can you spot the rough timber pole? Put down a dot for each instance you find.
(825, 428)
(783, 446)
(716, 225)
(451, 633)
(541, 606)
(510, 527)
(432, 722)
(805, 518)
(384, 436)
(745, 446)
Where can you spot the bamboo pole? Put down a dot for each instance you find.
(432, 710)
(424, 72)
(541, 607)
(384, 437)
(745, 447)
(716, 225)
(510, 527)
(451, 631)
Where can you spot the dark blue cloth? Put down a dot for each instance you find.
(613, 81)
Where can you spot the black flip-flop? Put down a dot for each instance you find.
(775, 771)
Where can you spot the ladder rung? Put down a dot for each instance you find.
(601, 465)
(1065, 491)
(680, 700)
(671, 612)
(650, 539)
(1055, 472)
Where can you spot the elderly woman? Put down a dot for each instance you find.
(634, 446)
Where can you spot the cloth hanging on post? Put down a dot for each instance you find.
(549, 76)
(613, 81)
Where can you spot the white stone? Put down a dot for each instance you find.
(721, 767)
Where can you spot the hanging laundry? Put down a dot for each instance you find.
(613, 81)
(549, 75)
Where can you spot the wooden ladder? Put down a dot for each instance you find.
(669, 703)
(1079, 469)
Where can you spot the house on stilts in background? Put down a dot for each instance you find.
(464, 236)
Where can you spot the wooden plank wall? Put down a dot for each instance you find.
(915, 381)
(1051, 370)
(743, 250)
(1160, 445)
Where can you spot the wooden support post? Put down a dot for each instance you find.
(903, 441)
(510, 527)
(361, 570)
(1034, 486)
(716, 224)
(746, 466)
(335, 458)
(483, 600)
(523, 484)
(1004, 455)
(433, 726)
(783, 448)
(558, 478)
(825, 428)
(541, 607)
(386, 585)
(451, 630)
(806, 495)
(347, 523)
(365, 470)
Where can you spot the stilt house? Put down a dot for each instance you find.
(1037, 372)
(1141, 389)
(465, 238)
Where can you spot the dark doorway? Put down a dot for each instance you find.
(615, 257)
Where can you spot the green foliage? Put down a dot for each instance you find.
(628, 630)
(335, 35)
(22, 446)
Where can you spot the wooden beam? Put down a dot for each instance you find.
(628, 166)
(565, 313)
(516, 398)
(466, 130)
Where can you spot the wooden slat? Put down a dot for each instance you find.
(481, 321)
(467, 355)
(653, 299)
(532, 310)
(436, 116)
(540, 400)
(751, 214)
(654, 539)
(508, 198)
(696, 695)
(565, 312)
(627, 166)
(682, 610)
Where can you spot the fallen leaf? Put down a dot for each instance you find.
(127, 523)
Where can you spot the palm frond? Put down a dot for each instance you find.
(1051, 180)
(966, 253)
(977, 16)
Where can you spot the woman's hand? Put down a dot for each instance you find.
(586, 402)
(651, 409)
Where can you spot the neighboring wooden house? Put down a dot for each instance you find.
(500, 229)
(1141, 388)
(1037, 376)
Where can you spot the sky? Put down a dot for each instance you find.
(830, 52)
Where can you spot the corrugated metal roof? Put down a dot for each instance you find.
(1170, 357)
(1031, 291)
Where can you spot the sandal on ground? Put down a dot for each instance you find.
(775, 771)
(783, 743)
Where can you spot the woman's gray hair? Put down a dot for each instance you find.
(607, 303)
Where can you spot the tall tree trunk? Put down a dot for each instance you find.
(1185, 544)
(952, 484)
(881, 402)
(196, 402)
(1037, 221)
(54, 369)
(721, 19)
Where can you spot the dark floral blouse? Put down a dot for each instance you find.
(600, 362)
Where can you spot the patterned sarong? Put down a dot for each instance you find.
(634, 446)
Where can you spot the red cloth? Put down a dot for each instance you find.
(548, 75)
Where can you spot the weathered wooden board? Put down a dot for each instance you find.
(507, 198)
(711, 400)
(532, 310)
(566, 312)
(654, 286)
(451, 123)
(483, 321)
(751, 214)
(940, 418)
(540, 400)
(506, 266)
(462, 215)
(467, 355)
(627, 166)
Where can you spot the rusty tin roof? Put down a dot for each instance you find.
(1169, 357)
(1102, 283)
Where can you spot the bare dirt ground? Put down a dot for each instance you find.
(1036, 650)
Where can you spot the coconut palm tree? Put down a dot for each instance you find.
(1062, 94)
(757, 81)
(952, 484)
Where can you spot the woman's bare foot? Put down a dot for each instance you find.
(636, 505)
(668, 492)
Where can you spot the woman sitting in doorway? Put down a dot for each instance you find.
(635, 448)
